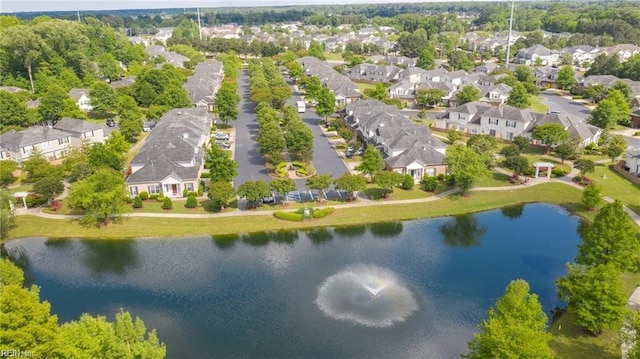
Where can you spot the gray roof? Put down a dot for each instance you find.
(31, 136)
(160, 168)
(634, 152)
(74, 125)
(76, 93)
(511, 113)
(574, 125)
(122, 83)
(420, 151)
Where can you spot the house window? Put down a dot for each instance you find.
(133, 190)
(62, 141)
(509, 136)
(27, 149)
(189, 186)
(510, 124)
(460, 117)
(493, 121)
(431, 172)
(153, 189)
(88, 134)
(492, 133)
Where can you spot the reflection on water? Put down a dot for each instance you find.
(386, 229)
(463, 230)
(255, 295)
(513, 212)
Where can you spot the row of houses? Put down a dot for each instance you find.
(506, 122)
(171, 158)
(52, 142)
(344, 90)
(407, 148)
(580, 54)
(203, 85)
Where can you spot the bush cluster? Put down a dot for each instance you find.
(321, 213)
(192, 201)
(144, 195)
(558, 172)
(166, 203)
(137, 202)
(430, 184)
(281, 170)
(289, 216)
(35, 199)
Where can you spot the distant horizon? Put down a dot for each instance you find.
(26, 6)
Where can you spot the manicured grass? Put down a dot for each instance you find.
(616, 186)
(414, 193)
(537, 105)
(21, 188)
(363, 86)
(570, 341)
(494, 179)
(333, 56)
(296, 205)
(568, 197)
(204, 206)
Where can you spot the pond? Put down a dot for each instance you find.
(389, 290)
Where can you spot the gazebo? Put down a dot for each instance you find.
(548, 165)
(22, 195)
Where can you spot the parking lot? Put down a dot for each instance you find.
(308, 196)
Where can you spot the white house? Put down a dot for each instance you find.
(81, 97)
(633, 161)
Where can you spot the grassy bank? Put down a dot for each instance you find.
(568, 197)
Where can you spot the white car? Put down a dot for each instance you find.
(221, 136)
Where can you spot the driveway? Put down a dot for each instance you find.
(556, 102)
(325, 157)
(251, 164)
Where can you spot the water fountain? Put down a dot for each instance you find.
(366, 295)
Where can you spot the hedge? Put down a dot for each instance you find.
(289, 216)
(301, 173)
(301, 166)
(281, 165)
(320, 213)
(144, 195)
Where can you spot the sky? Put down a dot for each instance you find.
(10, 6)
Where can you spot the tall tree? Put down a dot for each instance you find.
(21, 44)
(103, 98)
(371, 162)
(7, 213)
(614, 147)
(387, 180)
(102, 196)
(596, 296)
(174, 96)
(550, 134)
(351, 183)
(319, 182)
(227, 100)
(429, 97)
(426, 60)
(519, 97)
(254, 191)
(584, 165)
(469, 93)
(220, 165)
(570, 148)
(282, 185)
(326, 102)
(465, 165)
(591, 196)
(221, 193)
(299, 139)
(515, 327)
(312, 88)
(610, 239)
(55, 104)
(566, 78)
(14, 112)
(611, 110)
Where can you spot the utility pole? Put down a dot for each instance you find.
(510, 29)
(199, 25)
(78, 13)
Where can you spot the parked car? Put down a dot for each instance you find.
(358, 152)
(223, 144)
(348, 154)
(270, 199)
(221, 136)
(111, 122)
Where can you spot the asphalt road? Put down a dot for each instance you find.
(251, 164)
(325, 157)
(565, 105)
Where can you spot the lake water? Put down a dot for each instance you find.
(256, 296)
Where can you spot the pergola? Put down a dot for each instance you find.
(547, 165)
(22, 195)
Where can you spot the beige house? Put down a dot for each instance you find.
(81, 131)
(20, 145)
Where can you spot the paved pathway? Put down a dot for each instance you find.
(361, 203)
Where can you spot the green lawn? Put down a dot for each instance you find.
(568, 197)
(616, 186)
(363, 86)
(537, 105)
(333, 56)
(494, 179)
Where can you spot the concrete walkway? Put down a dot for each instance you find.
(567, 180)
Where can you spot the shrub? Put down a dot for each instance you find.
(160, 198)
(195, 194)
(529, 172)
(578, 97)
(299, 165)
(558, 172)
(129, 200)
(281, 165)
(637, 133)
(192, 202)
(289, 216)
(407, 182)
(144, 195)
(214, 128)
(201, 188)
(35, 199)
(301, 172)
(320, 213)
(441, 177)
(166, 203)
(185, 192)
(153, 196)
(430, 184)
(137, 202)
